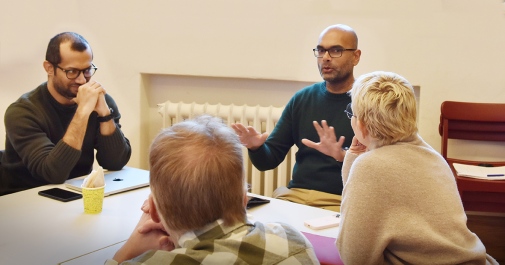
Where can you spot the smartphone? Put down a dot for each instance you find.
(324, 222)
(255, 201)
(60, 194)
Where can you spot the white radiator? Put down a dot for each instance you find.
(263, 119)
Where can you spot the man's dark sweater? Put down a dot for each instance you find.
(35, 154)
(312, 170)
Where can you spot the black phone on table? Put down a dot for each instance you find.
(60, 194)
(255, 201)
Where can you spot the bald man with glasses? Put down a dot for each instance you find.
(317, 178)
(54, 130)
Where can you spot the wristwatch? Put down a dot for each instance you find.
(106, 118)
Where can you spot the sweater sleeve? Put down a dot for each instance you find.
(277, 145)
(28, 134)
(358, 233)
(113, 151)
(346, 166)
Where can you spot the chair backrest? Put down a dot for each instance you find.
(471, 121)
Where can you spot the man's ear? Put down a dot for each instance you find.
(153, 211)
(357, 56)
(49, 67)
(245, 199)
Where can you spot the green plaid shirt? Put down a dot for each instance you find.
(245, 243)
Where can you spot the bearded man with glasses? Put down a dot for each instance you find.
(52, 132)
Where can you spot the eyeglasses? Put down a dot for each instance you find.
(74, 73)
(334, 52)
(348, 111)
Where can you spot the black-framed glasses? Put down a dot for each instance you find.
(334, 52)
(348, 111)
(74, 73)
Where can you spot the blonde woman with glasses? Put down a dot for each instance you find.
(400, 203)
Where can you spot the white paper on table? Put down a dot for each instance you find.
(479, 172)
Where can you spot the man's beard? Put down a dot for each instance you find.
(64, 91)
(339, 78)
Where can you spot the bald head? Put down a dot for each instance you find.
(347, 33)
(337, 54)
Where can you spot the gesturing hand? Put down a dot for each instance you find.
(328, 143)
(249, 137)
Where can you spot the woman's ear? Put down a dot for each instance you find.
(153, 211)
(362, 129)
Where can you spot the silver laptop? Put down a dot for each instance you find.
(125, 179)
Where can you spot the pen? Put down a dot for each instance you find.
(495, 175)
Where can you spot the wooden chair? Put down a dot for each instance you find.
(476, 122)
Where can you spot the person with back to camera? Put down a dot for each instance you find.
(196, 213)
(400, 203)
(53, 131)
(316, 179)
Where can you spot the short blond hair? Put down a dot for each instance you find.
(196, 174)
(386, 104)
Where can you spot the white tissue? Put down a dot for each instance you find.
(95, 179)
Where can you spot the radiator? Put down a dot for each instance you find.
(263, 119)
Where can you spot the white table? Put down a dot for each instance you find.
(39, 230)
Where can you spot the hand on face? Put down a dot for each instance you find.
(139, 243)
(149, 225)
(147, 228)
(357, 147)
(88, 96)
(101, 106)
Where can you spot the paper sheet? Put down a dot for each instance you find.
(478, 172)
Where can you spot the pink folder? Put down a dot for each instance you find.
(325, 248)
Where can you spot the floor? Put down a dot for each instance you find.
(491, 230)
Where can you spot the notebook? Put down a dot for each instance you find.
(478, 172)
(125, 179)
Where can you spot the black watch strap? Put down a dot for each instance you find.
(106, 118)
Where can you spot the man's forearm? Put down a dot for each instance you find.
(74, 136)
(107, 128)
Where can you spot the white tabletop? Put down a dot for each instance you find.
(40, 230)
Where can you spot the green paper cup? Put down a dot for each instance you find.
(93, 199)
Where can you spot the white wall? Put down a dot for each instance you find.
(452, 49)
